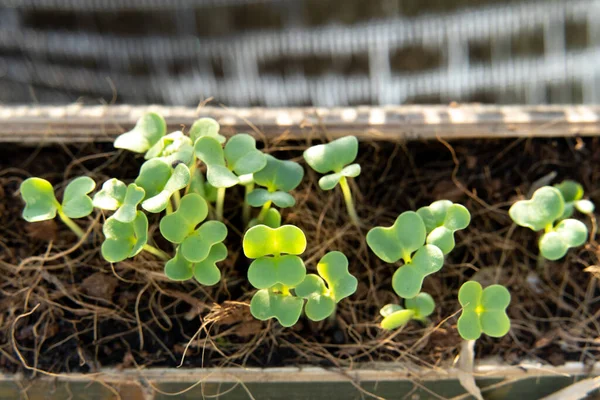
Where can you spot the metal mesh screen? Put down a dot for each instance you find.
(300, 52)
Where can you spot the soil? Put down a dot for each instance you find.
(64, 309)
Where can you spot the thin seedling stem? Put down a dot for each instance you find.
(349, 202)
(246, 208)
(169, 208)
(72, 225)
(264, 210)
(157, 252)
(176, 199)
(220, 203)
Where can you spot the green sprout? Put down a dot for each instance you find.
(172, 148)
(418, 308)
(483, 311)
(205, 272)
(405, 240)
(547, 210)
(115, 195)
(148, 130)
(336, 157)
(278, 177)
(325, 291)
(195, 241)
(442, 218)
(160, 182)
(41, 203)
(125, 239)
(206, 127)
(276, 270)
(225, 166)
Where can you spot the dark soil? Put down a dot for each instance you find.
(63, 308)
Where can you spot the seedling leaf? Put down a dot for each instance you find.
(76, 202)
(408, 279)
(442, 218)
(40, 202)
(124, 240)
(333, 156)
(154, 175)
(147, 131)
(272, 219)
(568, 233)
(286, 309)
(111, 196)
(178, 268)
(484, 311)
(199, 186)
(197, 245)
(545, 207)
(422, 305)
(242, 156)
(394, 316)
(288, 270)
(172, 148)
(400, 240)
(258, 197)
(178, 180)
(279, 175)
(261, 240)
(206, 127)
(206, 271)
(133, 196)
(330, 181)
(180, 224)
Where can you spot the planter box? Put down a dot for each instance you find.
(75, 124)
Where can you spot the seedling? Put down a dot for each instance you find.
(547, 211)
(115, 195)
(160, 182)
(336, 157)
(418, 308)
(484, 311)
(405, 240)
(148, 130)
(325, 291)
(41, 203)
(125, 239)
(278, 177)
(442, 218)
(275, 271)
(226, 166)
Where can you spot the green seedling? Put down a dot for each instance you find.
(125, 239)
(405, 240)
(483, 311)
(41, 203)
(206, 127)
(226, 165)
(544, 212)
(160, 182)
(272, 219)
(200, 186)
(275, 271)
(278, 178)
(148, 130)
(172, 148)
(205, 272)
(418, 308)
(181, 227)
(325, 291)
(442, 218)
(336, 157)
(572, 193)
(116, 196)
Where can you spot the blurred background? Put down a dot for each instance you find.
(299, 52)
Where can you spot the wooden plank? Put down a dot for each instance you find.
(77, 123)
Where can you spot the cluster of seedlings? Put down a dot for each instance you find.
(190, 201)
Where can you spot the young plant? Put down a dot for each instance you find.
(278, 178)
(483, 311)
(548, 210)
(200, 244)
(41, 203)
(325, 290)
(418, 308)
(336, 157)
(227, 166)
(276, 270)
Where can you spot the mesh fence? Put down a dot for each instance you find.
(299, 52)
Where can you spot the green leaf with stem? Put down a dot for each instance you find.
(259, 197)
(128, 209)
(147, 132)
(40, 201)
(568, 233)
(288, 270)
(279, 175)
(205, 272)
(154, 175)
(177, 181)
(172, 148)
(408, 279)
(76, 202)
(196, 246)
(261, 241)
(124, 240)
(572, 193)
(484, 311)
(111, 196)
